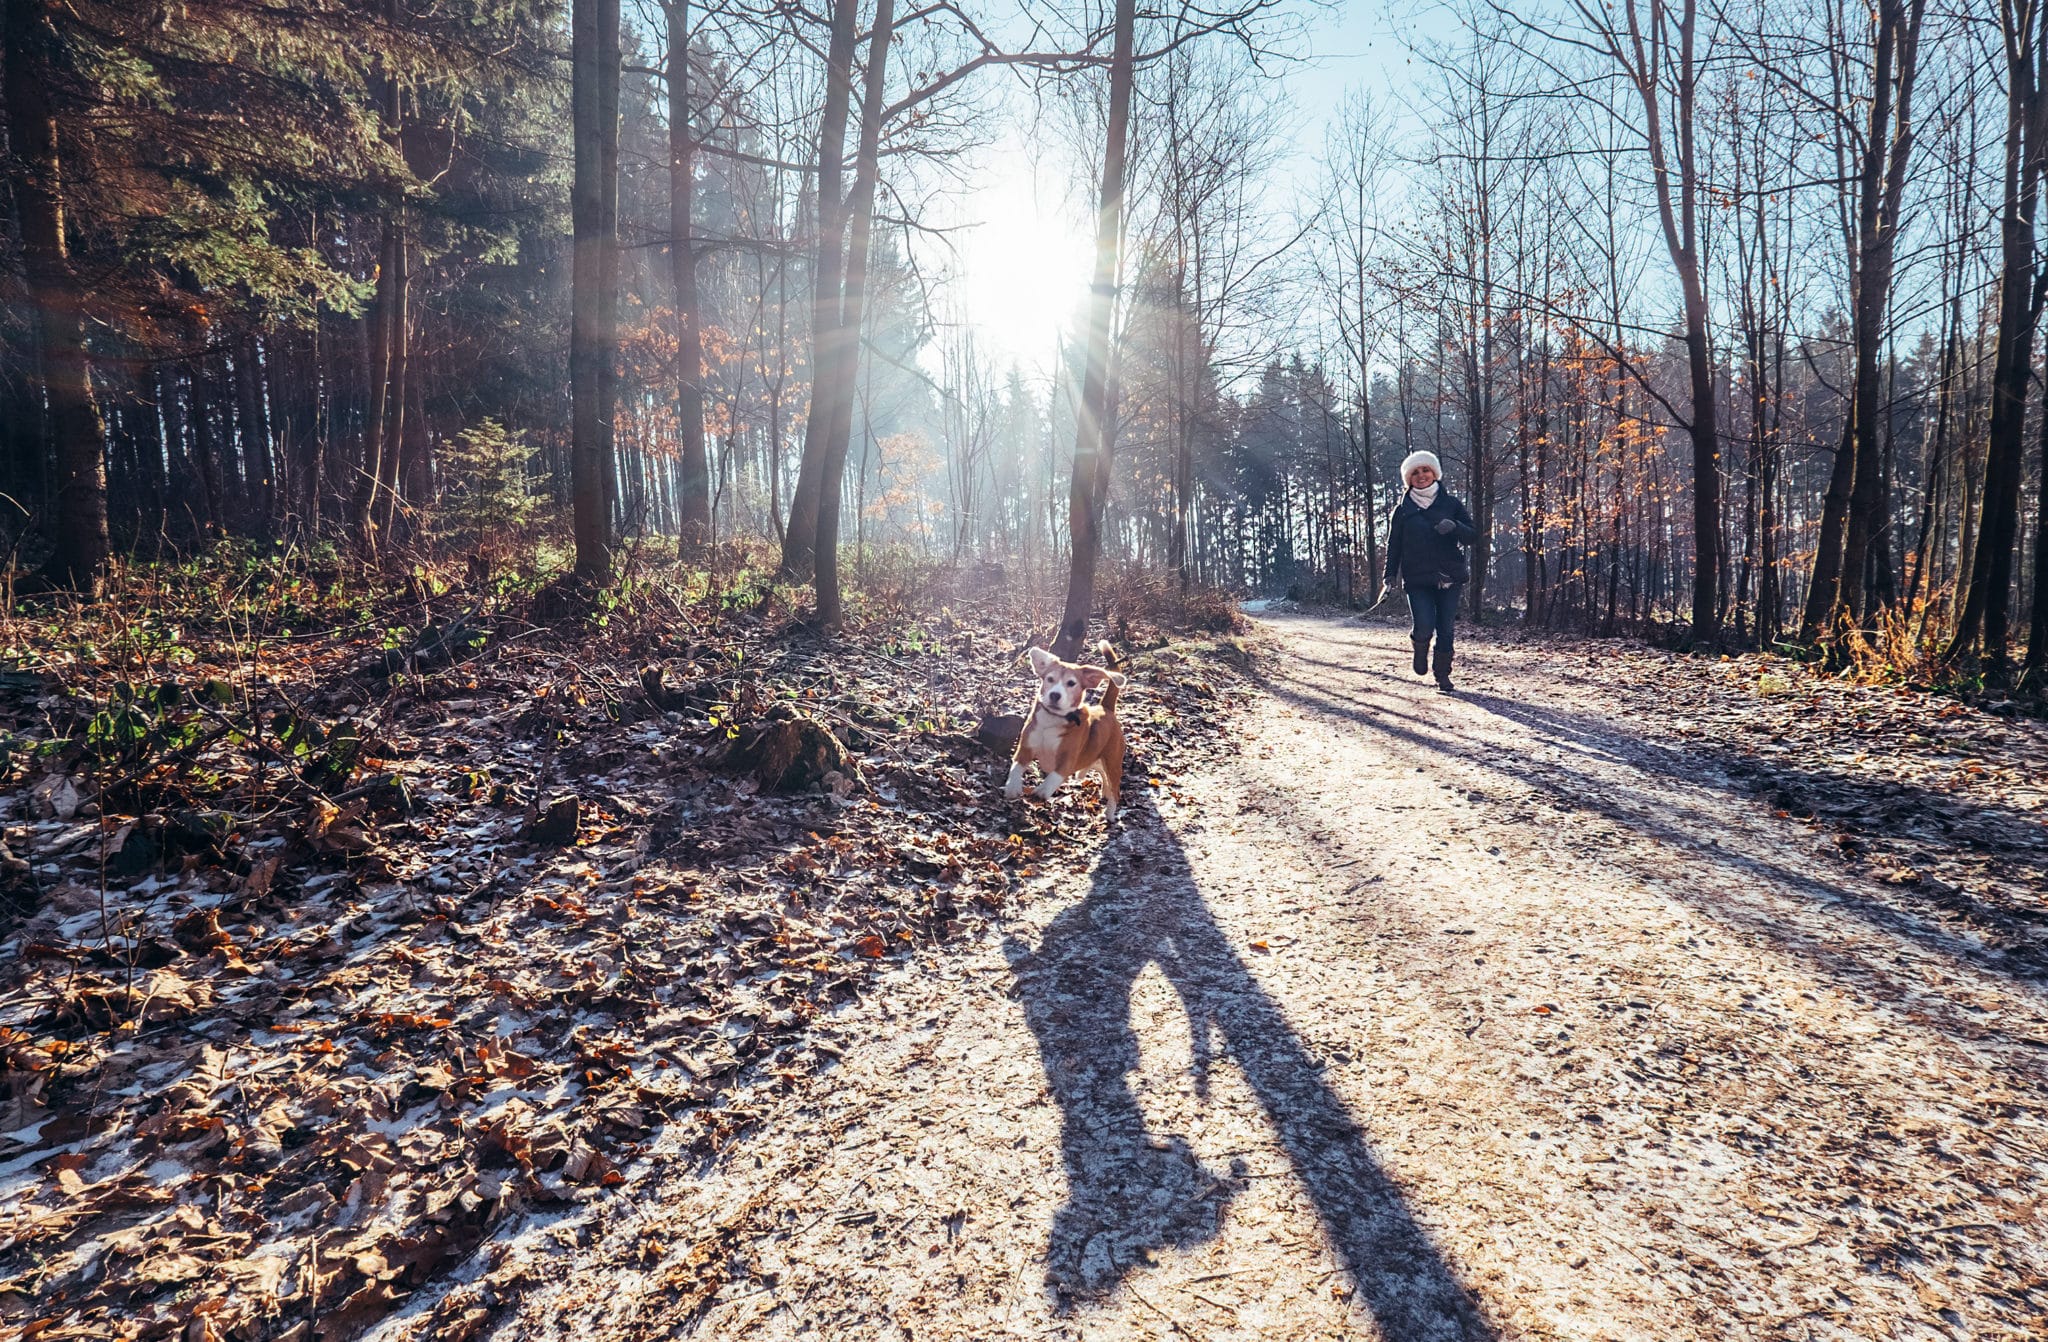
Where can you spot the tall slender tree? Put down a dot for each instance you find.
(1875, 158)
(1093, 443)
(593, 334)
(1656, 47)
(34, 74)
(1982, 630)
(695, 484)
(860, 210)
(831, 344)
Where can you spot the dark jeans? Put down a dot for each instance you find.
(1435, 611)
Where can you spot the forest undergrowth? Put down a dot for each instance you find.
(346, 920)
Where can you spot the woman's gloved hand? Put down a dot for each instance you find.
(1446, 527)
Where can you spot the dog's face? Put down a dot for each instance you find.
(1062, 685)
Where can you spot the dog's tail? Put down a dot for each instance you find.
(1112, 682)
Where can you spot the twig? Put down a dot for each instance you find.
(1178, 1326)
(1219, 1276)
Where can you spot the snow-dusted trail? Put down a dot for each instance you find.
(1488, 1017)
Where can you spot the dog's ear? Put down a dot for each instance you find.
(1119, 679)
(1040, 660)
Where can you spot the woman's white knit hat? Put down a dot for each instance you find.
(1414, 459)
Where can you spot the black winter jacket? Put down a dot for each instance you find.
(1421, 556)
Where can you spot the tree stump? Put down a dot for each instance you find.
(788, 753)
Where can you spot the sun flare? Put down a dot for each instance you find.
(1024, 259)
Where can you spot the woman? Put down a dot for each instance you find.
(1423, 551)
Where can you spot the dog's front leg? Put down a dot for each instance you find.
(1051, 784)
(1015, 787)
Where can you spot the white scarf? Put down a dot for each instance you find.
(1425, 497)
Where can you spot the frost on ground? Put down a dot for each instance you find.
(323, 989)
(1531, 1013)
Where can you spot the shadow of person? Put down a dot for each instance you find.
(1130, 1191)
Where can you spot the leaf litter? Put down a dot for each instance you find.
(323, 970)
(1638, 1056)
(1942, 801)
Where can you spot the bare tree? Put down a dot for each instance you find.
(1656, 46)
(852, 310)
(1356, 170)
(1092, 445)
(1982, 628)
(1872, 160)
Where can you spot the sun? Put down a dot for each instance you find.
(1024, 258)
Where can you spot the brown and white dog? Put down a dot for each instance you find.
(1064, 734)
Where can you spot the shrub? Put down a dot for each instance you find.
(492, 497)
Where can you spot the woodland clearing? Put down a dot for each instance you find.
(522, 524)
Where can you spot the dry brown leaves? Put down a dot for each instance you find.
(1946, 802)
(280, 1046)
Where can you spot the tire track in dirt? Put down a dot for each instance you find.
(1421, 1018)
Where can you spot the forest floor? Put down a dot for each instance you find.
(1622, 995)
(1596, 1002)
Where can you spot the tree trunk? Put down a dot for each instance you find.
(1987, 608)
(206, 454)
(1372, 505)
(255, 436)
(21, 437)
(2037, 624)
(861, 210)
(1678, 213)
(800, 537)
(1888, 146)
(1706, 480)
(149, 449)
(1827, 557)
(608, 73)
(419, 445)
(363, 494)
(392, 432)
(1935, 467)
(78, 528)
(682, 255)
(590, 343)
(1093, 441)
(286, 393)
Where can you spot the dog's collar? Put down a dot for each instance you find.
(1073, 717)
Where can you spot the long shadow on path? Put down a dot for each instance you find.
(1130, 1191)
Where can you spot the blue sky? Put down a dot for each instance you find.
(1023, 264)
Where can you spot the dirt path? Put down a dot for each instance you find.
(1421, 1018)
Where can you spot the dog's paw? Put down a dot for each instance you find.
(1013, 790)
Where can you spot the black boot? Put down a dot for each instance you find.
(1421, 655)
(1442, 666)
